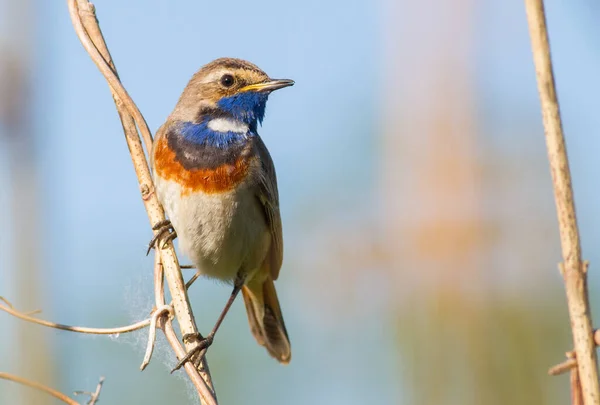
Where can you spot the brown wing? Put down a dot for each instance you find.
(268, 195)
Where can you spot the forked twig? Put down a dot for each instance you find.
(86, 26)
(94, 396)
(573, 268)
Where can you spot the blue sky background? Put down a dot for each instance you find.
(325, 137)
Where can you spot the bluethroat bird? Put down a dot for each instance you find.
(216, 181)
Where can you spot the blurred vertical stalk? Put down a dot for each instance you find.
(17, 115)
(431, 170)
(467, 334)
(431, 175)
(430, 165)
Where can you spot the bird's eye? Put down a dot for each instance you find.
(227, 80)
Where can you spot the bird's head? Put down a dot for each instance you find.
(228, 87)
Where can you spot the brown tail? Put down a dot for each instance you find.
(266, 321)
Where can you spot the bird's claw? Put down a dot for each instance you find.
(162, 224)
(204, 344)
(162, 228)
(172, 235)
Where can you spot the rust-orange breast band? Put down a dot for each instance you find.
(208, 180)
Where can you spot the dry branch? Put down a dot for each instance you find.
(48, 390)
(86, 26)
(563, 367)
(80, 329)
(94, 396)
(573, 268)
(158, 313)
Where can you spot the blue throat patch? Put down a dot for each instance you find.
(248, 107)
(201, 134)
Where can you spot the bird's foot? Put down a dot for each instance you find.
(204, 343)
(162, 228)
(196, 351)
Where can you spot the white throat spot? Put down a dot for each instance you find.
(228, 125)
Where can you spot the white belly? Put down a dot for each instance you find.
(221, 234)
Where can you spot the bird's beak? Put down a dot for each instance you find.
(269, 86)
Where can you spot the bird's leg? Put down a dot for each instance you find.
(162, 227)
(208, 340)
(191, 280)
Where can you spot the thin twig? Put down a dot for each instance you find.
(28, 313)
(38, 386)
(152, 333)
(563, 367)
(576, 394)
(94, 396)
(79, 329)
(159, 282)
(86, 26)
(83, 16)
(573, 269)
(571, 361)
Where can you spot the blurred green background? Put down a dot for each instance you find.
(421, 244)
